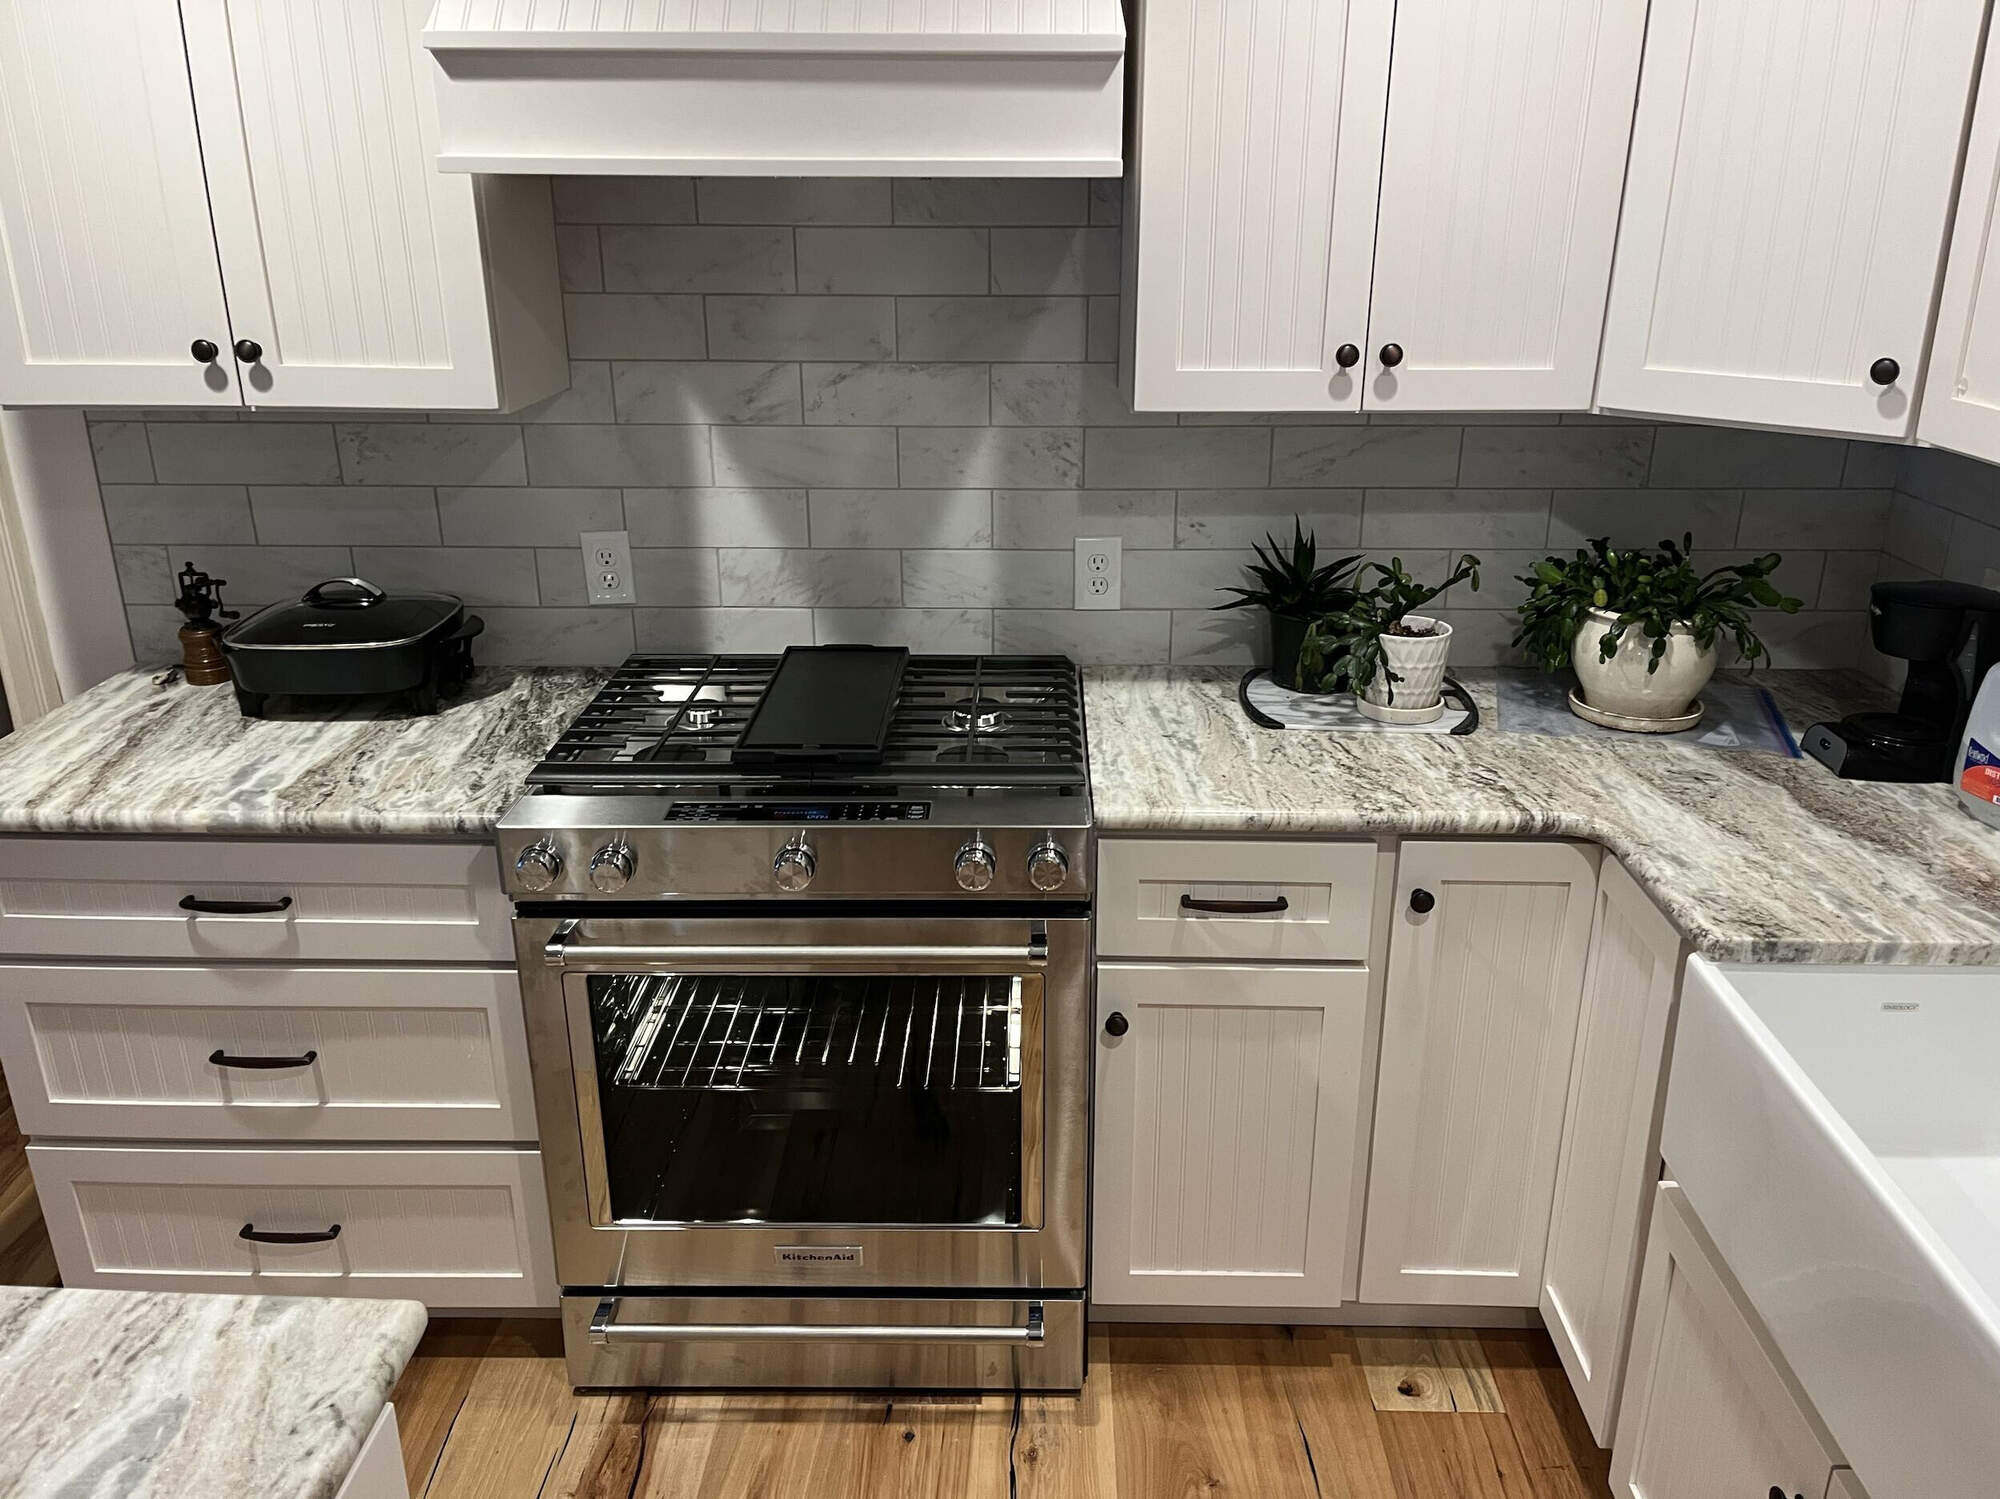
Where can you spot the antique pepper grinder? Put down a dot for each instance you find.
(201, 652)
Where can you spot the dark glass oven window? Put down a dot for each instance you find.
(816, 1099)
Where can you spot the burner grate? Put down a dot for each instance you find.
(989, 720)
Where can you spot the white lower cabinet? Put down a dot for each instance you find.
(452, 1228)
(1710, 1408)
(1229, 1122)
(1611, 1142)
(1485, 975)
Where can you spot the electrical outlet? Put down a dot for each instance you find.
(1100, 572)
(607, 566)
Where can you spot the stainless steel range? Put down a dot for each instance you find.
(806, 952)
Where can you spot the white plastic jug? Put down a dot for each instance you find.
(1978, 775)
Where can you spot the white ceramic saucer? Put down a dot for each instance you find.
(1633, 725)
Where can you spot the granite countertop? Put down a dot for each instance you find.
(143, 1394)
(132, 757)
(1754, 856)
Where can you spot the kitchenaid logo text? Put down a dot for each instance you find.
(819, 1254)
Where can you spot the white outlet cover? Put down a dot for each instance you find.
(607, 566)
(1100, 572)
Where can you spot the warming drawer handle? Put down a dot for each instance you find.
(221, 1058)
(606, 1328)
(258, 1235)
(1272, 907)
(201, 907)
(561, 950)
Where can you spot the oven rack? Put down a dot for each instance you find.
(721, 1033)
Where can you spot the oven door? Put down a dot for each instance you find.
(847, 1102)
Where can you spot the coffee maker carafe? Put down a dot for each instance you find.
(1927, 624)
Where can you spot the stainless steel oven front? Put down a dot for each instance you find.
(798, 1107)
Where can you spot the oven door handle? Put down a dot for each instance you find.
(606, 1328)
(562, 949)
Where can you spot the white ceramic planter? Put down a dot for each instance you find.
(1418, 662)
(1623, 685)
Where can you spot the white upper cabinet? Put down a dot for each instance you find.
(281, 161)
(1257, 145)
(1785, 209)
(1501, 174)
(109, 259)
(1962, 387)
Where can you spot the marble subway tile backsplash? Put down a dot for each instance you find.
(872, 410)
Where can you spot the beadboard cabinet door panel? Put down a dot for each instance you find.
(1502, 169)
(110, 263)
(1785, 210)
(1709, 1407)
(1485, 975)
(351, 261)
(1251, 231)
(1961, 409)
(1610, 1157)
(1229, 1122)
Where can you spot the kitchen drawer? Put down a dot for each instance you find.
(121, 897)
(451, 1228)
(399, 1054)
(1328, 890)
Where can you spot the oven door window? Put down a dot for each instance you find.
(812, 1099)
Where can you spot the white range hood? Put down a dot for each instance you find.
(877, 88)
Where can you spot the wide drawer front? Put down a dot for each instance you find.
(259, 1054)
(1234, 898)
(451, 1228)
(180, 898)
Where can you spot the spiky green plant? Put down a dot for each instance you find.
(1295, 583)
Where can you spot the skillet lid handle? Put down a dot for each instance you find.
(363, 594)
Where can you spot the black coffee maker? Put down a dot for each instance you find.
(1928, 625)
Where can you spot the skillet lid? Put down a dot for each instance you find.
(345, 612)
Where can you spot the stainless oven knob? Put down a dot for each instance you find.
(1048, 865)
(974, 865)
(611, 866)
(795, 864)
(539, 866)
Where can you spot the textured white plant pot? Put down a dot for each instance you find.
(1623, 685)
(1418, 662)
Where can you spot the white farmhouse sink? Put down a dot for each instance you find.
(1837, 1130)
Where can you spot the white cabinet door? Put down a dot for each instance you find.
(1709, 1410)
(1961, 407)
(351, 261)
(1228, 1126)
(1501, 174)
(1611, 1142)
(1485, 973)
(1785, 209)
(110, 263)
(1257, 147)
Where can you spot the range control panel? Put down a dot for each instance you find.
(798, 812)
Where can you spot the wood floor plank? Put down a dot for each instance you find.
(774, 1446)
(1330, 1396)
(606, 1444)
(941, 1445)
(1461, 1357)
(1402, 1368)
(679, 1431)
(511, 1427)
(1203, 1411)
(1455, 1455)
(1541, 1408)
(1066, 1447)
(433, 1388)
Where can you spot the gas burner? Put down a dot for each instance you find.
(701, 719)
(982, 715)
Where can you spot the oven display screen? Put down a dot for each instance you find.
(798, 812)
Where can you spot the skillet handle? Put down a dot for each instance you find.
(468, 627)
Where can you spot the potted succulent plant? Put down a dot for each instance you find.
(1295, 589)
(1640, 624)
(1392, 657)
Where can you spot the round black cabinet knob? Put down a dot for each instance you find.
(1347, 356)
(249, 350)
(1422, 902)
(1776, 1492)
(1392, 355)
(1116, 1024)
(204, 351)
(1884, 371)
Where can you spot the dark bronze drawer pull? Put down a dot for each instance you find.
(221, 1058)
(235, 907)
(1236, 907)
(258, 1235)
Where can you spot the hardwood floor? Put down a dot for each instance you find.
(1167, 1413)
(26, 1258)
